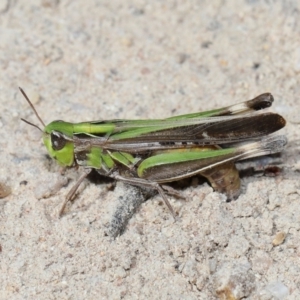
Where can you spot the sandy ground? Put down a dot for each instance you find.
(89, 60)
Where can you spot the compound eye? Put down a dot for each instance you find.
(57, 140)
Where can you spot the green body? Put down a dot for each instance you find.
(158, 151)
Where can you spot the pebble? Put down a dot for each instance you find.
(279, 238)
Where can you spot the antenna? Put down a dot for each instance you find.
(32, 107)
(32, 124)
(34, 110)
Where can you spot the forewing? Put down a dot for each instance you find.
(215, 130)
(221, 126)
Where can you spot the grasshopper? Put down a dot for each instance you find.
(149, 153)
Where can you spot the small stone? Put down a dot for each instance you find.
(5, 190)
(279, 238)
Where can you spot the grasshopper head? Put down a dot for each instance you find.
(57, 137)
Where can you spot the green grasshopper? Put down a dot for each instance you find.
(149, 153)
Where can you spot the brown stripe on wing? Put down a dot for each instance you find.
(219, 132)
